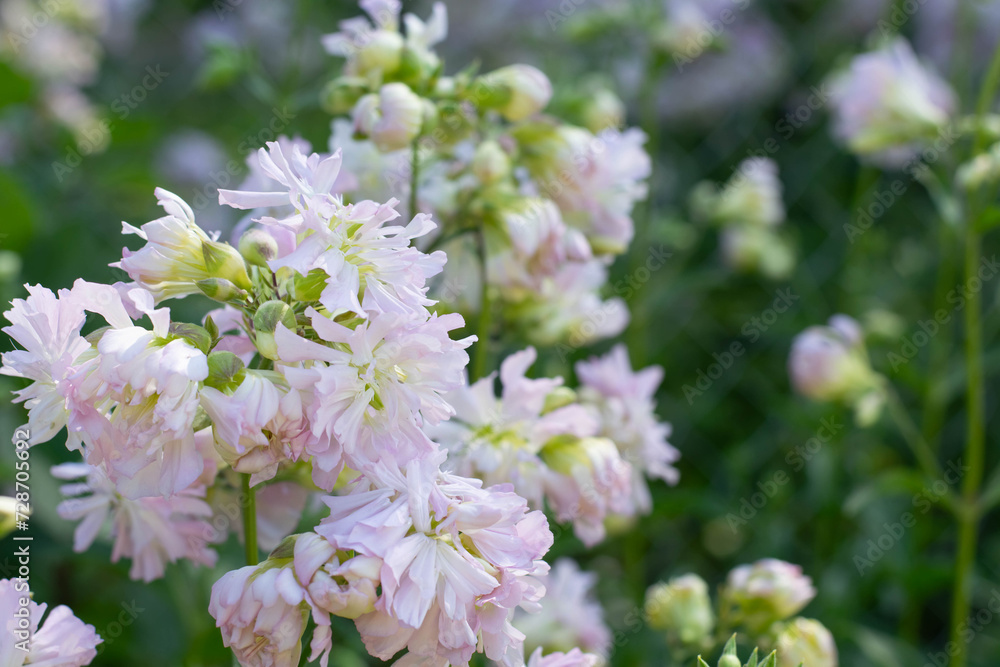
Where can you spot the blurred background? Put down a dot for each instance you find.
(103, 100)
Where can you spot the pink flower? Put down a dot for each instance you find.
(624, 401)
(262, 610)
(62, 640)
(574, 658)
(259, 426)
(48, 328)
(570, 617)
(135, 406)
(150, 531)
(457, 560)
(548, 452)
(596, 180)
(262, 615)
(381, 381)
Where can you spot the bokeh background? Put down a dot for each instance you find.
(187, 89)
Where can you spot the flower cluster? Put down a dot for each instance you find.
(759, 599)
(328, 370)
(549, 203)
(748, 209)
(585, 456)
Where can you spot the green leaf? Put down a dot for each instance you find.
(702, 663)
(225, 371)
(771, 660)
(192, 333)
(752, 662)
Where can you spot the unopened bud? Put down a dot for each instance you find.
(806, 642)
(681, 608)
(559, 397)
(392, 119)
(603, 110)
(258, 247)
(265, 322)
(222, 290)
(224, 261)
(730, 661)
(516, 91)
(490, 163)
(382, 52)
(225, 371)
(340, 95)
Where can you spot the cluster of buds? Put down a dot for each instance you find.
(748, 209)
(549, 202)
(759, 600)
(829, 363)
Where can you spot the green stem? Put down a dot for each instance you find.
(481, 365)
(913, 438)
(414, 176)
(975, 446)
(249, 521)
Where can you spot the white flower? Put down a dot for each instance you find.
(595, 179)
(457, 560)
(887, 105)
(174, 257)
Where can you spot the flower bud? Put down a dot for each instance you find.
(490, 163)
(342, 94)
(827, 363)
(806, 642)
(392, 119)
(258, 247)
(265, 322)
(559, 397)
(681, 608)
(225, 371)
(730, 661)
(222, 290)
(516, 91)
(602, 110)
(767, 591)
(382, 52)
(224, 261)
(887, 105)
